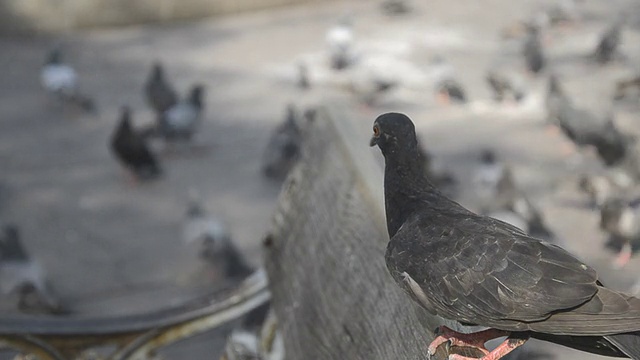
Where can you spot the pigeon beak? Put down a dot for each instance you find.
(373, 141)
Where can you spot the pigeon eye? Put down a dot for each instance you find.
(376, 131)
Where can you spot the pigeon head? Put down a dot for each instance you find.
(195, 96)
(554, 84)
(488, 157)
(157, 71)
(125, 118)
(54, 57)
(612, 214)
(394, 133)
(11, 247)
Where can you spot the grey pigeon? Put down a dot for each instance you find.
(502, 198)
(448, 88)
(443, 179)
(509, 197)
(283, 148)
(586, 129)
(159, 93)
(481, 271)
(503, 87)
(623, 86)
(532, 50)
(182, 120)
(215, 241)
(131, 149)
(395, 7)
(609, 43)
(61, 80)
(304, 82)
(21, 275)
(620, 218)
(340, 42)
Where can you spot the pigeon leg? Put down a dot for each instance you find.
(475, 340)
(623, 256)
(443, 98)
(552, 130)
(507, 346)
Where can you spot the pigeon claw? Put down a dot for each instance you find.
(450, 338)
(623, 257)
(507, 346)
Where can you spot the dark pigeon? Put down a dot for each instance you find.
(158, 91)
(609, 43)
(481, 271)
(131, 149)
(503, 87)
(532, 50)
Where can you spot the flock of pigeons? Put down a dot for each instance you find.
(177, 121)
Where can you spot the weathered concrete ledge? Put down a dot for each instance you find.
(330, 288)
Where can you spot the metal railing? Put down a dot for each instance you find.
(136, 336)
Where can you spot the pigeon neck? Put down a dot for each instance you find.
(405, 187)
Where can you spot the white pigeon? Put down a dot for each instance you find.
(340, 40)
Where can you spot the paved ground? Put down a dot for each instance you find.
(103, 241)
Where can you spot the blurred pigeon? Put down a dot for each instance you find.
(476, 270)
(620, 218)
(451, 91)
(21, 275)
(303, 76)
(131, 149)
(563, 11)
(556, 101)
(503, 87)
(283, 148)
(487, 175)
(608, 43)
(511, 198)
(623, 86)
(214, 237)
(532, 50)
(448, 88)
(60, 79)
(584, 128)
(245, 345)
(444, 180)
(340, 42)
(395, 7)
(158, 91)
(181, 121)
(502, 199)
(602, 187)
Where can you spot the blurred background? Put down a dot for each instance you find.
(143, 143)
